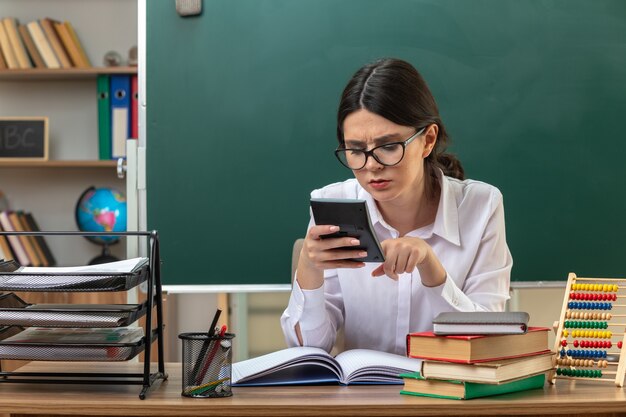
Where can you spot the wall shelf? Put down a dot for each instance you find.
(62, 74)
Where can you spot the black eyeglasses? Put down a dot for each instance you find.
(389, 154)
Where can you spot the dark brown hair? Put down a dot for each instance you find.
(393, 89)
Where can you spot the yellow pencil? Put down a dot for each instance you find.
(207, 385)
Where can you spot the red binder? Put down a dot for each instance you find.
(134, 108)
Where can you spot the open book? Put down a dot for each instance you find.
(310, 365)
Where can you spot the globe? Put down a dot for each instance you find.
(101, 210)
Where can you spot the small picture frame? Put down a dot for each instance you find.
(24, 138)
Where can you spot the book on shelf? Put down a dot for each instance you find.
(16, 245)
(490, 372)
(476, 348)
(5, 249)
(7, 49)
(481, 322)
(3, 63)
(311, 365)
(31, 48)
(84, 58)
(33, 226)
(24, 239)
(43, 46)
(415, 384)
(10, 26)
(68, 43)
(47, 24)
(21, 218)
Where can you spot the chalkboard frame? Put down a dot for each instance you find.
(42, 140)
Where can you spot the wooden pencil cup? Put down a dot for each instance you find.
(207, 365)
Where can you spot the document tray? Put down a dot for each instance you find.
(77, 352)
(85, 282)
(16, 312)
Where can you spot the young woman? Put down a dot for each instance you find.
(443, 236)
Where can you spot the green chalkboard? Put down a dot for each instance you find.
(241, 104)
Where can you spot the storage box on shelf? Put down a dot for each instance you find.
(87, 326)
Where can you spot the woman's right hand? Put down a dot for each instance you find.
(319, 254)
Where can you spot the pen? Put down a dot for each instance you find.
(205, 346)
(211, 355)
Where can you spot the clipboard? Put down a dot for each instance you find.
(353, 220)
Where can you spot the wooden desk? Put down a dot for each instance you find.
(565, 398)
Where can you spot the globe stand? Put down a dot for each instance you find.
(104, 257)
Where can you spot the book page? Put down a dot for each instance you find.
(83, 336)
(49, 318)
(127, 265)
(252, 370)
(364, 365)
(22, 279)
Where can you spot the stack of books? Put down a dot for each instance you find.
(43, 43)
(26, 250)
(464, 364)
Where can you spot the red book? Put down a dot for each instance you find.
(134, 107)
(473, 349)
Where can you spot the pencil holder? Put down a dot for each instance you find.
(207, 365)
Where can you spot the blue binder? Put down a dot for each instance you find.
(120, 114)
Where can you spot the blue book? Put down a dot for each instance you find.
(120, 114)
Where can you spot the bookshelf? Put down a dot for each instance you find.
(50, 189)
(49, 74)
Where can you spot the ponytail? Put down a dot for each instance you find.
(451, 166)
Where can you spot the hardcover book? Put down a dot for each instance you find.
(34, 54)
(43, 45)
(310, 365)
(10, 27)
(47, 24)
(481, 322)
(415, 384)
(491, 372)
(477, 348)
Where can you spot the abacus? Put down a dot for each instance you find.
(588, 343)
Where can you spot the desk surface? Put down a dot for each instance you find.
(164, 399)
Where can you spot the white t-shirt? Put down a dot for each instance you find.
(468, 237)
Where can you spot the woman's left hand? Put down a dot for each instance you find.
(404, 254)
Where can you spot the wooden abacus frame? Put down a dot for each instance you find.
(563, 334)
